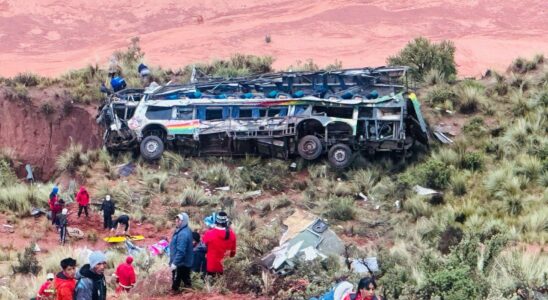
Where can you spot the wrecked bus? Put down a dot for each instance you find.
(309, 114)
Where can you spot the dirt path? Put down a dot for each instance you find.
(50, 36)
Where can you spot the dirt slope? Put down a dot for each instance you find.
(51, 36)
(38, 139)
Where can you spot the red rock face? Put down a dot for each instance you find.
(50, 37)
(38, 140)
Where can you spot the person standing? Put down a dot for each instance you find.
(125, 275)
(108, 208)
(62, 223)
(53, 198)
(199, 249)
(219, 241)
(46, 291)
(83, 201)
(181, 254)
(91, 284)
(64, 281)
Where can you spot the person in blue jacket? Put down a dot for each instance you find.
(181, 253)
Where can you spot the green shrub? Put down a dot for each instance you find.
(217, 175)
(20, 198)
(470, 98)
(417, 207)
(28, 263)
(70, 159)
(27, 79)
(441, 94)
(340, 208)
(434, 174)
(7, 176)
(472, 160)
(256, 174)
(194, 195)
(434, 77)
(422, 56)
(475, 127)
(459, 182)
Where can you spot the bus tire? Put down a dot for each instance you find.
(340, 156)
(310, 147)
(152, 147)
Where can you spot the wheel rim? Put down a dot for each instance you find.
(310, 147)
(339, 155)
(151, 146)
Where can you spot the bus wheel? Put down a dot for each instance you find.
(340, 156)
(152, 147)
(310, 147)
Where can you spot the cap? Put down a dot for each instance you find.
(50, 276)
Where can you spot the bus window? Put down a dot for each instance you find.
(300, 109)
(213, 114)
(259, 112)
(277, 112)
(334, 112)
(158, 113)
(365, 112)
(184, 113)
(245, 113)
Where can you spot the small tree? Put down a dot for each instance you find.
(421, 56)
(27, 261)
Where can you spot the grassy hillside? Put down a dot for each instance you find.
(484, 238)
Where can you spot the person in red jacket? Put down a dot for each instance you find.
(64, 281)
(46, 291)
(125, 275)
(365, 291)
(219, 241)
(53, 199)
(83, 201)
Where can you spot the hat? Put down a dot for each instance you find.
(50, 276)
(64, 211)
(107, 197)
(129, 260)
(96, 258)
(221, 218)
(184, 219)
(55, 189)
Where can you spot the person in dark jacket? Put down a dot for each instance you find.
(181, 253)
(83, 201)
(91, 284)
(62, 223)
(108, 208)
(124, 220)
(199, 265)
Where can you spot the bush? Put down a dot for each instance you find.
(472, 160)
(217, 175)
(27, 79)
(434, 77)
(21, 198)
(434, 174)
(475, 127)
(341, 209)
(441, 95)
(470, 98)
(256, 174)
(194, 195)
(28, 264)
(70, 159)
(7, 176)
(238, 65)
(422, 56)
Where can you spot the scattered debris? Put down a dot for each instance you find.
(364, 197)
(367, 265)
(223, 188)
(162, 246)
(252, 194)
(8, 228)
(126, 170)
(36, 248)
(307, 238)
(36, 212)
(442, 137)
(293, 166)
(30, 176)
(425, 191)
(75, 232)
